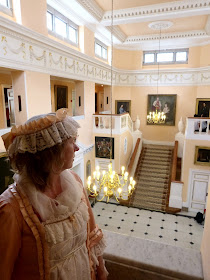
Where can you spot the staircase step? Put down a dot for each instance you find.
(152, 179)
(155, 162)
(152, 167)
(149, 206)
(150, 194)
(151, 188)
(151, 153)
(145, 171)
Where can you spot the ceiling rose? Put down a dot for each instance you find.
(157, 25)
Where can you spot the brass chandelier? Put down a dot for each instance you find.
(157, 117)
(107, 184)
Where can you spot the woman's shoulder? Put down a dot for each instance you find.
(8, 201)
(76, 176)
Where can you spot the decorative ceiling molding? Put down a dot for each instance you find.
(23, 49)
(93, 8)
(118, 33)
(175, 35)
(185, 8)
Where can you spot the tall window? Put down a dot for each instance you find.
(166, 57)
(100, 49)
(6, 6)
(60, 25)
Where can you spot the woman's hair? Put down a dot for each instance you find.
(38, 166)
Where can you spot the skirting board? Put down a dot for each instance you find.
(164, 143)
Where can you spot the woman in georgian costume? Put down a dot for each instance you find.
(47, 228)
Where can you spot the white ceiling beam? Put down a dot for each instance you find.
(163, 11)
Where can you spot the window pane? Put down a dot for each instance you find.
(149, 58)
(165, 57)
(60, 27)
(73, 34)
(104, 53)
(98, 49)
(49, 21)
(4, 3)
(181, 56)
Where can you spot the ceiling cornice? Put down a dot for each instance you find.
(168, 40)
(185, 8)
(118, 33)
(93, 8)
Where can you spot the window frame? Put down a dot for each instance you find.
(102, 45)
(69, 23)
(8, 10)
(174, 51)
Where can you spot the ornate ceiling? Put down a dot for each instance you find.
(190, 21)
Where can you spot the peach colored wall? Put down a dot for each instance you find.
(4, 80)
(205, 245)
(79, 86)
(132, 60)
(185, 107)
(188, 162)
(100, 97)
(129, 60)
(18, 85)
(38, 93)
(86, 130)
(204, 56)
(70, 86)
(34, 15)
(107, 93)
(125, 157)
(89, 42)
(89, 156)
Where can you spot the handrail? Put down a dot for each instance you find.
(130, 166)
(174, 163)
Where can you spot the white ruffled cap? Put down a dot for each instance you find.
(40, 132)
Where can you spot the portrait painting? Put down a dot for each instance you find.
(163, 104)
(104, 147)
(61, 97)
(202, 107)
(202, 155)
(122, 106)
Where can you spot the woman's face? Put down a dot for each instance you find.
(69, 150)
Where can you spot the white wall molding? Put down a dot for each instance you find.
(176, 9)
(23, 49)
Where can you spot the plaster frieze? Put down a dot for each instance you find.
(23, 49)
(162, 11)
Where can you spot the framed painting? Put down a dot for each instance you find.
(162, 103)
(122, 106)
(202, 107)
(202, 155)
(61, 97)
(104, 147)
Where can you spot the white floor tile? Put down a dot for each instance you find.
(171, 227)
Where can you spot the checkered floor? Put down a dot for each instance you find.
(177, 230)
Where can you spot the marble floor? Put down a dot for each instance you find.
(177, 230)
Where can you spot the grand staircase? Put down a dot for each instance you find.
(153, 178)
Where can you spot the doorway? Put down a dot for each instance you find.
(8, 106)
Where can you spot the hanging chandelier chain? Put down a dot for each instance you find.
(111, 76)
(158, 62)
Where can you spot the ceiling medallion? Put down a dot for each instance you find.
(157, 25)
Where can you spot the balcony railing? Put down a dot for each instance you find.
(120, 123)
(198, 128)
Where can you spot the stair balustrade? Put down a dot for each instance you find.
(120, 123)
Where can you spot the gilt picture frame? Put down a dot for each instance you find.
(199, 107)
(104, 147)
(202, 155)
(122, 106)
(162, 103)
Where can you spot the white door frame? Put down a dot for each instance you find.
(190, 186)
(3, 86)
